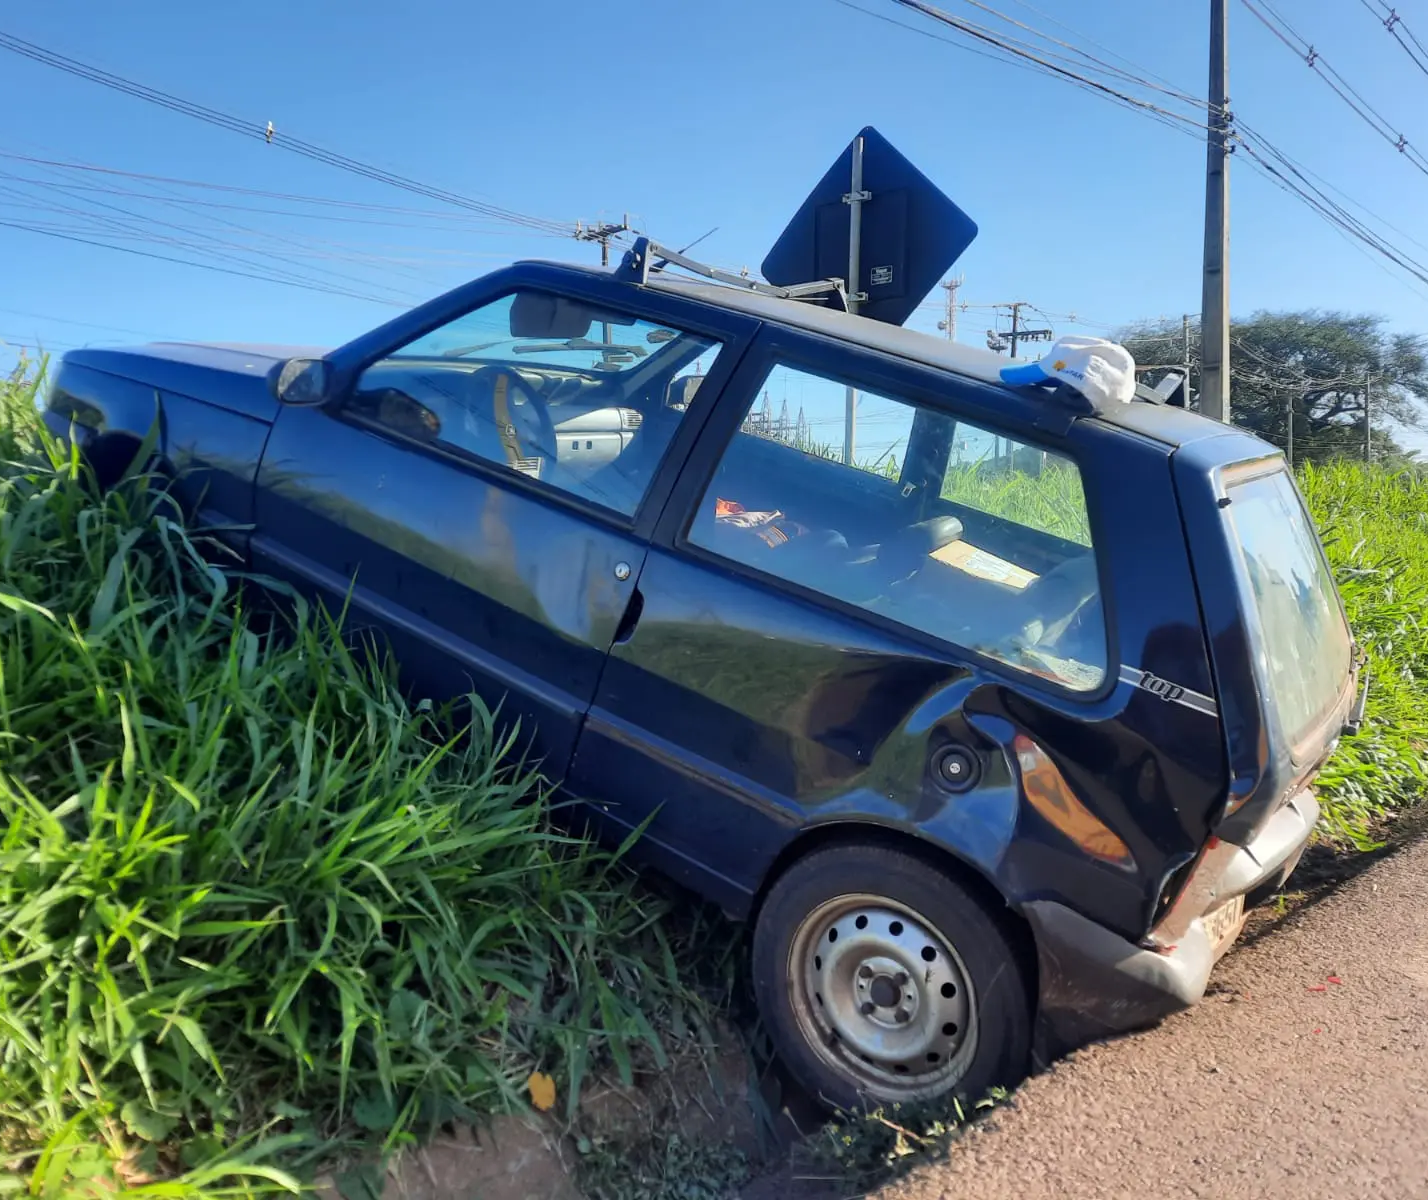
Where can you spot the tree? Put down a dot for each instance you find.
(1317, 366)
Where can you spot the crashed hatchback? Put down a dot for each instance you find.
(992, 709)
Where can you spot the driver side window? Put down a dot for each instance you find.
(584, 400)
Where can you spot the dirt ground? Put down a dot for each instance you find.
(1304, 1074)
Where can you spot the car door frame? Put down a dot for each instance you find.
(993, 409)
(735, 330)
(296, 560)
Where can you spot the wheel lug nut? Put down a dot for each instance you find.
(865, 972)
(903, 1016)
(902, 979)
(867, 1008)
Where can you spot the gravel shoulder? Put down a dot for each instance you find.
(1303, 1073)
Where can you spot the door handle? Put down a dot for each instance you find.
(630, 618)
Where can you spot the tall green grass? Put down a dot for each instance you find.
(1050, 499)
(1374, 523)
(253, 904)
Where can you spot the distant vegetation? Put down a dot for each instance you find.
(1317, 372)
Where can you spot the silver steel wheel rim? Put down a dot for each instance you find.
(882, 997)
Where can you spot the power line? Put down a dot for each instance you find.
(1341, 87)
(1010, 55)
(1393, 23)
(253, 130)
(1284, 173)
(34, 316)
(70, 237)
(28, 341)
(206, 247)
(209, 245)
(457, 219)
(985, 36)
(1293, 180)
(1136, 77)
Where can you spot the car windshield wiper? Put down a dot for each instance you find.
(459, 351)
(579, 344)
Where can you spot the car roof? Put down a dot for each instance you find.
(1159, 422)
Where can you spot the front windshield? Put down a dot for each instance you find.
(611, 343)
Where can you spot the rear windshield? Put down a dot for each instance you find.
(1302, 631)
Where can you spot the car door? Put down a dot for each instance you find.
(445, 490)
(810, 627)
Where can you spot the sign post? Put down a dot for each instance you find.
(854, 199)
(899, 223)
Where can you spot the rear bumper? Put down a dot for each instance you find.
(1095, 983)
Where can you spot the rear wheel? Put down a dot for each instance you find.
(882, 979)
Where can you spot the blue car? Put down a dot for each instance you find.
(993, 713)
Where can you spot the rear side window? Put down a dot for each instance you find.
(941, 526)
(1286, 579)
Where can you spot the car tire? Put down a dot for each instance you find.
(927, 992)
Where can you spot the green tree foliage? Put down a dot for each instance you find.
(1317, 365)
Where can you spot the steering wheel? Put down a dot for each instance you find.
(500, 385)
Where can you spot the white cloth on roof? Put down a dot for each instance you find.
(1101, 370)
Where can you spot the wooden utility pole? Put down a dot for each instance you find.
(1215, 298)
(602, 233)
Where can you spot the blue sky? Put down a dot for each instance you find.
(687, 116)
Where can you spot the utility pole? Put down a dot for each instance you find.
(1185, 352)
(1289, 425)
(855, 199)
(949, 324)
(1368, 422)
(997, 341)
(602, 233)
(1215, 297)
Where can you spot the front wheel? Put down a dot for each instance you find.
(884, 980)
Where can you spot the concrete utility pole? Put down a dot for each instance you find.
(1215, 298)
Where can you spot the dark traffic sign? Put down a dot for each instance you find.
(911, 233)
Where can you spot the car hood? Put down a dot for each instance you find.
(231, 375)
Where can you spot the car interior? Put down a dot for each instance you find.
(898, 547)
(592, 434)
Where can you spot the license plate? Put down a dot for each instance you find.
(1223, 924)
